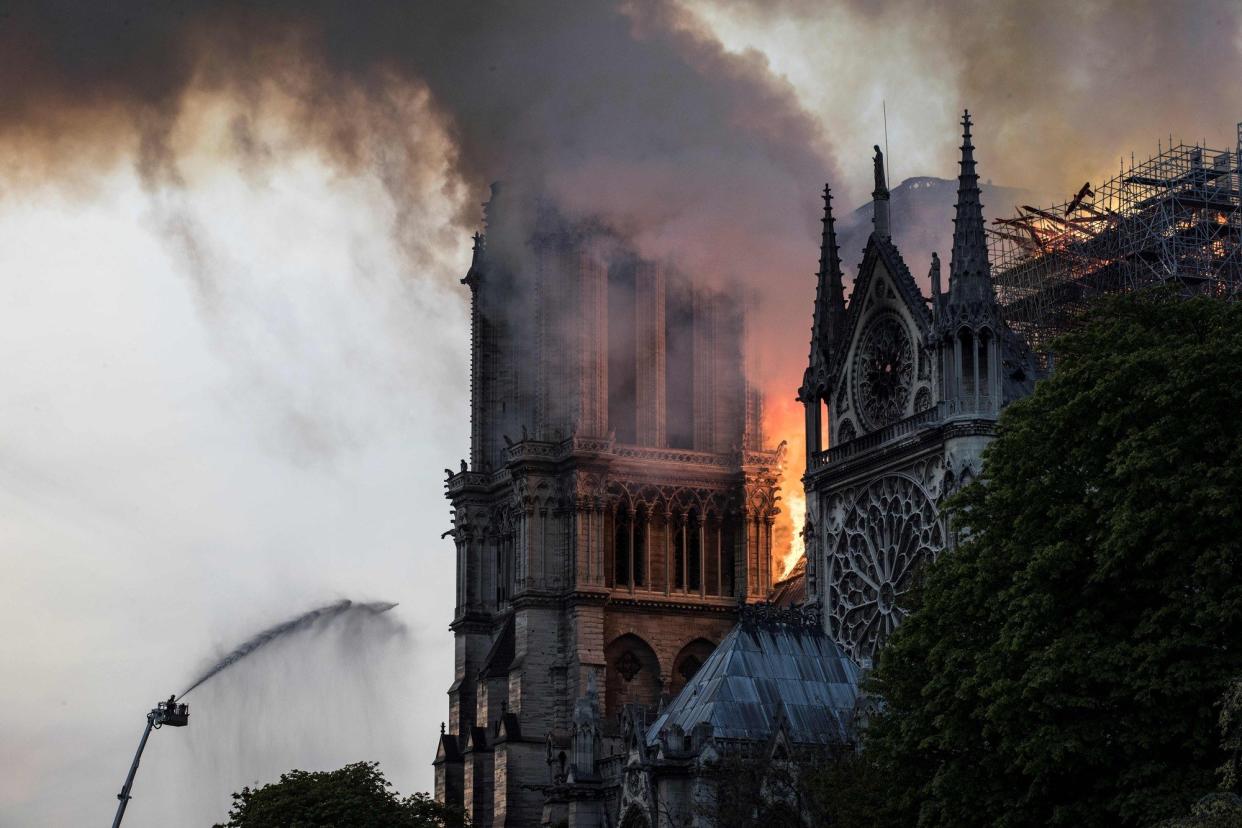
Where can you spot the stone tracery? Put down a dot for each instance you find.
(884, 372)
(891, 527)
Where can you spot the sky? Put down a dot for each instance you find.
(235, 346)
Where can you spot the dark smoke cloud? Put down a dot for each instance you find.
(625, 111)
(629, 111)
(604, 98)
(1062, 89)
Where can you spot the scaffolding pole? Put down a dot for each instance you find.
(1175, 219)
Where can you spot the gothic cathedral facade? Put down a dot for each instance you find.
(901, 395)
(617, 504)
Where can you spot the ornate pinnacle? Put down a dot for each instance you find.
(829, 317)
(969, 270)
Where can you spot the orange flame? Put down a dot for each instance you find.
(784, 421)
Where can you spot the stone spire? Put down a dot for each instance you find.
(879, 198)
(970, 278)
(829, 321)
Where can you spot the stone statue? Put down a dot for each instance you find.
(586, 731)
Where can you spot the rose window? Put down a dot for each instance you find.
(884, 372)
(891, 528)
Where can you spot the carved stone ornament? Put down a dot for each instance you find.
(883, 372)
(628, 665)
(764, 613)
(891, 528)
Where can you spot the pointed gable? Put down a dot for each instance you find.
(882, 253)
(884, 287)
(448, 749)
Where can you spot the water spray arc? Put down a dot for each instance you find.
(175, 713)
(293, 625)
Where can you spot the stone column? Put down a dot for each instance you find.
(668, 551)
(460, 543)
(592, 287)
(683, 520)
(581, 535)
(702, 555)
(704, 373)
(630, 557)
(720, 578)
(994, 373)
(752, 555)
(539, 545)
(765, 556)
(647, 548)
(649, 328)
(811, 542)
(957, 367)
(974, 364)
(814, 429)
(600, 539)
(477, 407)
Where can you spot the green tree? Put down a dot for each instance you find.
(849, 792)
(1222, 809)
(1064, 663)
(355, 796)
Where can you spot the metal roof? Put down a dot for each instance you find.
(760, 672)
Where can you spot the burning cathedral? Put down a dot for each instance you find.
(617, 506)
(616, 628)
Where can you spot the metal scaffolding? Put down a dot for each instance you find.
(1176, 219)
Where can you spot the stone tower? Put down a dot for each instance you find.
(901, 394)
(616, 507)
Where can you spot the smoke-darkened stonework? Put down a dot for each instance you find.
(617, 505)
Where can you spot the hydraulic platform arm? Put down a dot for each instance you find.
(164, 713)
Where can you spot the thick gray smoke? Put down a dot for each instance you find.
(626, 111)
(293, 625)
(615, 106)
(1061, 88)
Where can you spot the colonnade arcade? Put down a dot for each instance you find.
(971, 370)
(673, 541)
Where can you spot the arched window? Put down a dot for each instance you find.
(688, 662)
(623, 529)
(825, 432)
(694, 552)
(504, 566)
(985, 380)
(639, 547)
(966, 374)
(631, 674)
(679, 550)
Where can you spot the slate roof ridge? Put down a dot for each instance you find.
(762, 668)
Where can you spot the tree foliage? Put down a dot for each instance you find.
(849, 792)
(355, 796)
(1064, 666)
